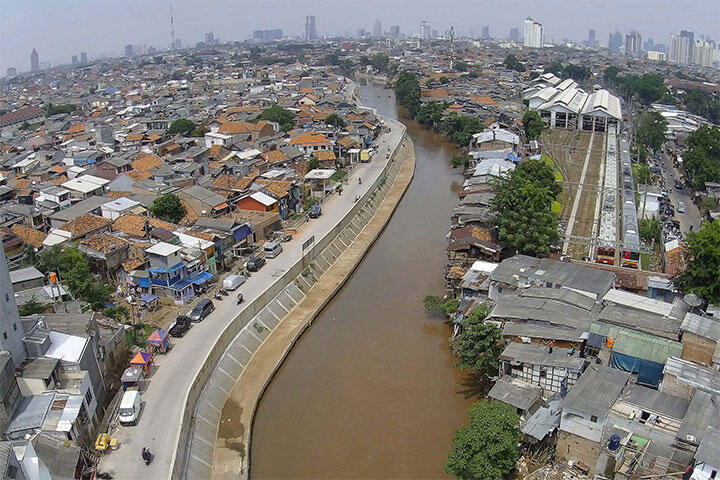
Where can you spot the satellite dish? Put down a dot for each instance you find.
(692, 300)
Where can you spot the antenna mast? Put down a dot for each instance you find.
(452, 46)
(172, 28)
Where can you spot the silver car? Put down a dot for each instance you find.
(681, 207)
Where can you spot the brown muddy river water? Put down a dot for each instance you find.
(369, 391)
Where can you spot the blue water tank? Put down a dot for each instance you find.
(614, 442)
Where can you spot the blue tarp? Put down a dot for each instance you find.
(201, 278)
(148, 297)
(512, 157)
(649, 373)
(169, 270)
(143, 282)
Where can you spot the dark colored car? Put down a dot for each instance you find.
(315, 211)
(678, 185)
(180, 327)
(202, 310)
(255, 264)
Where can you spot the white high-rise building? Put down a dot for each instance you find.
(703, 54)
(533, 34)
(425, 30)
(680, 49)
(377, 29)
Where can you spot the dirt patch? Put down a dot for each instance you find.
(231, 428)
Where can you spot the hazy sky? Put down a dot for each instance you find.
(60, 29)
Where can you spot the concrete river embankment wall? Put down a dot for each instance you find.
(244, 334)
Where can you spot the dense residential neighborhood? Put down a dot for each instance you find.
(139, 195)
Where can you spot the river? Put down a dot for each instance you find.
(370, 391)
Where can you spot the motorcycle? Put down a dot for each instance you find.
(146, 455)
(224, 292)
(357, 197)
(359, 181)
(240, 298)
(218, 296)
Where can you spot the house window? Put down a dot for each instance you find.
(593, 418)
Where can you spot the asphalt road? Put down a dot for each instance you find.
(158, 426)
(691, 217)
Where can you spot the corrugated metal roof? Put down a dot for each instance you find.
(637, 344)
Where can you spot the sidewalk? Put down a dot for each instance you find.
(163, 402)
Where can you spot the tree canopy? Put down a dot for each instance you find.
(701, 275)
(532, 124)
(431, 113)
(280, 115)
(523, 208)
(512, 63)
(461, 128)
(647, 88)
(51, 109)
(182, 126)
(704, 104)
(407, 92)
(335, 120)
(477, 346)
(168, 208)
(651, 130)
(702, 157)
(486, 449)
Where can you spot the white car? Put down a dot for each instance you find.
(681, 207)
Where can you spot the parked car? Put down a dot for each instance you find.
(233, 281)
(255, 264)
(315, 211)
(180, 327)
(681, 207)
(282, 237)
(678, 185)
(272, 249)
(130, 406)
(202, 310)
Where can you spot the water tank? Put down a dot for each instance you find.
(614, 442)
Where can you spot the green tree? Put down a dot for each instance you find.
(432, 303)
(611, 74)
(512, 63)
(701, 275)
(431, 113)
(199, 131)
(182, 126)
(460, 160)
(523, 208)
(702, 157)
(461, 66)
(31, 307)
(24, 126)
(168, 208)
(651, 130)
(650, 229)
(335, 120)
(280, 115)
(576, 72)
(443, 80)
(118, 312)
(407, 92)
(556, 67)
(380, 62)
(486, 449)
(532, 124)
(478, 346)
(641, 171)
(461, 128)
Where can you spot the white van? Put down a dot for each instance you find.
(130, 407)
(272, 249)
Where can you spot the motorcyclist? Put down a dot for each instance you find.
(359, 181)
(146, 455)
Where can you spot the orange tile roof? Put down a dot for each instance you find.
(274, 156)
(347, 142)
(103, 242)
(312, 138)
(57, 169)
(325, 155)
(77, 128)
(29, 235)
(133, 137)
(230, 128)
(137, 176)
(277, 188)
(214, 150)
(145, 162)
(485, 100)
(157, 223)
(131, 224)
(84, 224)
(435, 92)
(190, 215)
(244, 108)
(115, 195)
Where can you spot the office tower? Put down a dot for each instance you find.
(615, 40)
(591, 38)
(74, 60)
(633, 43)
(310, 28)
(649, 44)
(83, 58)
(12, 335)
(377, 29)
(533, 33)
(704, 53)
(210, 38)
(515, 35)
(395, 31)
(425, 30)
(485, 32)
(11, 72)
(267, 35)
(128, 50)
(178, 43)
(681, 50)
(34, 61)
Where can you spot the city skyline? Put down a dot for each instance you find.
(657, 20)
